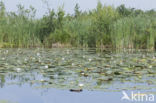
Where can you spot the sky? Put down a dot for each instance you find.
(85, 5)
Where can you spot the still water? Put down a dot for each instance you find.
(49, 75)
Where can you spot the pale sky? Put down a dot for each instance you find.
(84, 4)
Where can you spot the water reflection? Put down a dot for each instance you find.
(26, 94)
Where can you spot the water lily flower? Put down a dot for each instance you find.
(73, 64)
(82, 73)
(150, 66)
(39, 60)
(81, 85)
(38, 54)
(18, 69)
(25, 59)
(46, 66)
(90, 60)
(42, 80)
(62, 58)
(3, 58)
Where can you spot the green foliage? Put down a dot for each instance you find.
(18, 29)
(77, 11)
(104, 16)
(47, 25)
(138, 32)
(123, 11)
(104, 26)
(60, 18)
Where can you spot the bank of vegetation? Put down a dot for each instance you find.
(104, 27)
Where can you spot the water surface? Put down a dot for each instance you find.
(47, 75)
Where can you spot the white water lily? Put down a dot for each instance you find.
(18, 69)
(25, 59)
(82, 73)
(73, 64)
(62, 58)
(90, 60)
(81, 85)
(150, 66)
(39, 60)
(42, 80)
(3, 58)
(38, 54)
(46, 66)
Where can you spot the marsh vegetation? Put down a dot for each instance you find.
(104, 27)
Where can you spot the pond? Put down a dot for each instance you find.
(75, 75)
